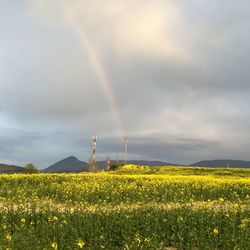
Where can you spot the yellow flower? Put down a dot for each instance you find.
(236, 205)
(216, 232)
(55, 218)
(221, 199)
(126, 247)
(80, 243)
(54, 245)
(64, 222)
(8, 237)
(245, 223)
(23, 220)
(180, 218)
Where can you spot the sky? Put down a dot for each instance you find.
(171, 75)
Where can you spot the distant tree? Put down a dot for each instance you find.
(114, 166)
(31, 169)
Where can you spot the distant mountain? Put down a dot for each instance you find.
(223, 164)
(151, 163)
(69, 165)
(72, 164)
(10, 169)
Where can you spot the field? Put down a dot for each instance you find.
(131, 208)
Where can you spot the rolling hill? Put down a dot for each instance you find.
(68, 165)
(10, 169)
(72, 164)
(102, 164)
(223, 164)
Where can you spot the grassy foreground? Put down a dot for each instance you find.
(131, 208)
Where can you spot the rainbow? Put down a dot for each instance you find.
(99, 68)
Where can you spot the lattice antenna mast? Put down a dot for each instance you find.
(93, 167)
(125, 150)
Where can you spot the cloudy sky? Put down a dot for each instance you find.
(171, 75)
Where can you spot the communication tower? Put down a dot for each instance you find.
(108, 163)
(93, 167)
(125, 150)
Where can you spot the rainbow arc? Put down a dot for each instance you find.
(99, 68)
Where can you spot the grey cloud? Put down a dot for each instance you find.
(158, 147)
(178, 69)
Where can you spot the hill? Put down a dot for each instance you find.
(69, 165)
(102, 164)
(72, 164)
(223, 164)
(151, 163)
(10, 169)
(183, 170)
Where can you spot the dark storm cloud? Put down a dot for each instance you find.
(179, 73)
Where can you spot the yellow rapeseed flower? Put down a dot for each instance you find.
(245, 223)
(8, 237)
(180, 218)
(80, 243)
(216, 232)
(54, 245)
(64, 222)
(236, 205)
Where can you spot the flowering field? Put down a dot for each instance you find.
(131, 208)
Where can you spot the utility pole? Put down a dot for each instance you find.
(93, 167)
(125, 150)
(108, 163)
